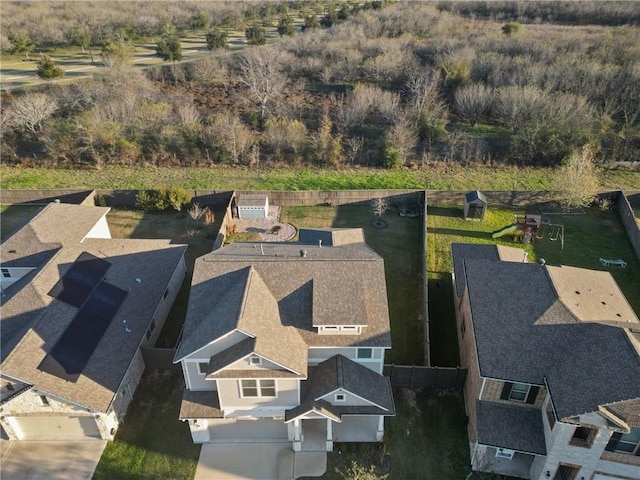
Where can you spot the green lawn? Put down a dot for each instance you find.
(400, 246)
(587, 238)
(439, 177)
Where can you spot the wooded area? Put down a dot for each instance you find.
(384, 84)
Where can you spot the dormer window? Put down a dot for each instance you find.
(6, 273)
(255, 360)
(340, 397)
(203, 367)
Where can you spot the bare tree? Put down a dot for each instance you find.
(472, 101)
(30, 110)
(260, 70)
(230, 135)
(577, 180)
(354, 146)
(379, 206)
(196, 211)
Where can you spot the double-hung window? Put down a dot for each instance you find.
(257, 388)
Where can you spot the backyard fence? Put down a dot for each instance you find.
(337, 197)
(425, 286)
(42, 197)
(448, 378)
(494, 197)
(628, 218)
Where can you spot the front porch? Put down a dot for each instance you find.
(318, 434)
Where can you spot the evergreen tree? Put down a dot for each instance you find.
(48, 69)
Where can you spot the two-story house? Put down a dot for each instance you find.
(553, 358)
(76, 308)
(286, 342)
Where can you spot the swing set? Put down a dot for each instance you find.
(553, 231)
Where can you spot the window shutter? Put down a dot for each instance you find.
(506, 390)
(533, 393)
(613, 442)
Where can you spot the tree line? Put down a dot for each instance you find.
(407, 84)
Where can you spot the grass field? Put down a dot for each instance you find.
(587, 238)
(400, 246)
(440, 177)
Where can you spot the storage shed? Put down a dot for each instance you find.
(253, 206)
(475, 205)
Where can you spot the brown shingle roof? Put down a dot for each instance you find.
(153, 262)
(218, 289)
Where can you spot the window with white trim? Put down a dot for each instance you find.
(6, 273)
(44, 401)
(340, 397)
(257, 388)
(203, 367)
(255, 360)
(365, 353)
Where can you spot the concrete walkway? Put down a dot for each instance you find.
(265, 461)
(35, 460)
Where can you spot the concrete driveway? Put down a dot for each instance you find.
(264, 461)
(50, 460)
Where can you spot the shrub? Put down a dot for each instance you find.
(511, 28)
(392, 158)
(177, 197)
(48, 69)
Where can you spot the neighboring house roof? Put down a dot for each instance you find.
(510, 426)
(291, 294)
(628, 411)
(142, 268)
(476, 196)
(339, 373)
(524, 332)
(464, 251)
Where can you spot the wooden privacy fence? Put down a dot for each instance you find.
(451, 378)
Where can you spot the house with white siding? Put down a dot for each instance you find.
(286, 342)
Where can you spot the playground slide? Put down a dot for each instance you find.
(504, 231)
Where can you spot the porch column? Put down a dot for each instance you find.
(380, 429)
(329, 445)
(297, 436)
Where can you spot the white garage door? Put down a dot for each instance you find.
(57, 428)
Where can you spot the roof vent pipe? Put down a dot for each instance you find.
(303, 253)
(320, 243)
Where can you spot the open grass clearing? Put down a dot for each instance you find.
(439, 177)
(400, 244)
(587, 238)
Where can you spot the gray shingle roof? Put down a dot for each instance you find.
(475, 196)
(524, 333)
(339, 372)
(332, 237)
(510, 426)
(39, 320)
(200, 405)
(298, 289)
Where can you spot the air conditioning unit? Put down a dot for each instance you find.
(504, 453)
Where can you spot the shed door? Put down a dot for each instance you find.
(475, 211)
(54, 427)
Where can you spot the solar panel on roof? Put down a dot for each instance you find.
(70, 354)
(80, 280)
